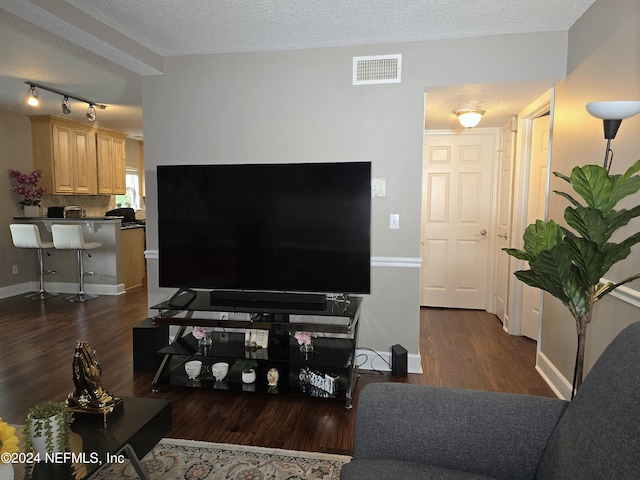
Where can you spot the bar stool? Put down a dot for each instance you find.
(70, 237)
(27, 235)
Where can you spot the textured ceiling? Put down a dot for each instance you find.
(107, 44)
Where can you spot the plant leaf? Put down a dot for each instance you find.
(593, 184)
(579, 297)
(543, 282)
(541, 236)
(625, 184)
(554, 263)
(568, 197)
(519, 254)
(588, 260)
(610, 286)
(614, 252)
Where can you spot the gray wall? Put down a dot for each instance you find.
(300, 106)
(604, 64)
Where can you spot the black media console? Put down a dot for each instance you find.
(333, 324)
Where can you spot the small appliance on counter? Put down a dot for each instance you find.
(128, 216)
(73, 211)
(55, 212)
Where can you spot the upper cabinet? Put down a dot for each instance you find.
(111, 162)
(76, 158)
(65, 152)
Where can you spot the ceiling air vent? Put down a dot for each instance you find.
(377, 69)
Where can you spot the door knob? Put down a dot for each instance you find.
(503, 236)
(482, 233)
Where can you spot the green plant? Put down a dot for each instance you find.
(41, 418)
(244, 365)
(570, 265)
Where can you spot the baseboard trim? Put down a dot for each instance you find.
(61, 287)
(380, 361)
(552, 376)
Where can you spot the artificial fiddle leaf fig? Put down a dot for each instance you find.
(570, 264)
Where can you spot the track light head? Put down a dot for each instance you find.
(33, 97)
(91, 113)
(66, 108)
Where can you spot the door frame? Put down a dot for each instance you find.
(542, 105)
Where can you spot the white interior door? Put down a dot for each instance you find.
(457, 185)
(538, 188)
(505, 200)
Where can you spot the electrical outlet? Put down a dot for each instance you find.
(14, 269)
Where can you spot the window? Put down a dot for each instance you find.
(132, 197)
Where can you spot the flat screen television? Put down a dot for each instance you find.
(303, 227)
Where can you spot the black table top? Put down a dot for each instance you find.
(141, 423)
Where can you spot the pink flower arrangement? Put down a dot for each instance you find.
(27, 186)
(304, 338)
(199, 332)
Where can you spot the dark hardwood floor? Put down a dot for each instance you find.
(459, 348)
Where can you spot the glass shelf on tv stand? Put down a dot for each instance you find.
(337, 318)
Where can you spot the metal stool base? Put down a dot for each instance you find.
(81, 297)
(40, 295)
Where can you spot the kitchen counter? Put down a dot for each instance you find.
(105, 261)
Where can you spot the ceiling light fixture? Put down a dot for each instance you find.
(612, 114)
(91, 113)
(469, 118)
(66, 108)
(32, 99)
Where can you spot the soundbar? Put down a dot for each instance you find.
(236, 298)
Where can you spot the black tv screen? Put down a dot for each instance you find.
(265, 227)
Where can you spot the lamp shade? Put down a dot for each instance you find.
(469, 118)
(616, 110)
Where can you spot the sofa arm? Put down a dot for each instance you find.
(495, 434)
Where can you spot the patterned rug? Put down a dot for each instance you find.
(174, 459)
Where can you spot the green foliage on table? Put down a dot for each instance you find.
(42, 417)
(244, 365)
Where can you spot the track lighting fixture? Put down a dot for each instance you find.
(469, 118)
(612, 114)
(66, 109)
(32, 99)
(91, 113)
(66, 106)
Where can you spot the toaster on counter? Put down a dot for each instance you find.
(74, 212)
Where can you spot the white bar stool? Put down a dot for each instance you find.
(70, 237)
(27, 235)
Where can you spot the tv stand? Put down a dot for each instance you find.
(239, 298)
(333, 325)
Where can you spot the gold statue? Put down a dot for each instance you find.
(89, 396)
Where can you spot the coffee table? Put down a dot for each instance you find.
(130, 432)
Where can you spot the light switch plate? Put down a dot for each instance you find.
(394, 221)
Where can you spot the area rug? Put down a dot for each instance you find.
(174, 459)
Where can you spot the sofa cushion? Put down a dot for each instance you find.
(598, 437)
(370, 469)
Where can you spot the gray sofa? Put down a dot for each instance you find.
(408, 431)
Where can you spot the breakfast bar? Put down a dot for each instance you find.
(105, 262)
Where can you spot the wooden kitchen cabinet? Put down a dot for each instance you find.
(65, 152)
(134, 270)
(111, 162)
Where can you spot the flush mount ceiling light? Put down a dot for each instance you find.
(66, 107)
(469, 118)
(612, 113)
(32, 99)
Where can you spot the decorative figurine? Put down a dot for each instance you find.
(272, 377)
(89, 395)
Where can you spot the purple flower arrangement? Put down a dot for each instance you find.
(27, 186)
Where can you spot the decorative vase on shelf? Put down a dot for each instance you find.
(272, 377)
(206, 340)
(31, 210)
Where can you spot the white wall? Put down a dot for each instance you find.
(604, 64)
(300, 106)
